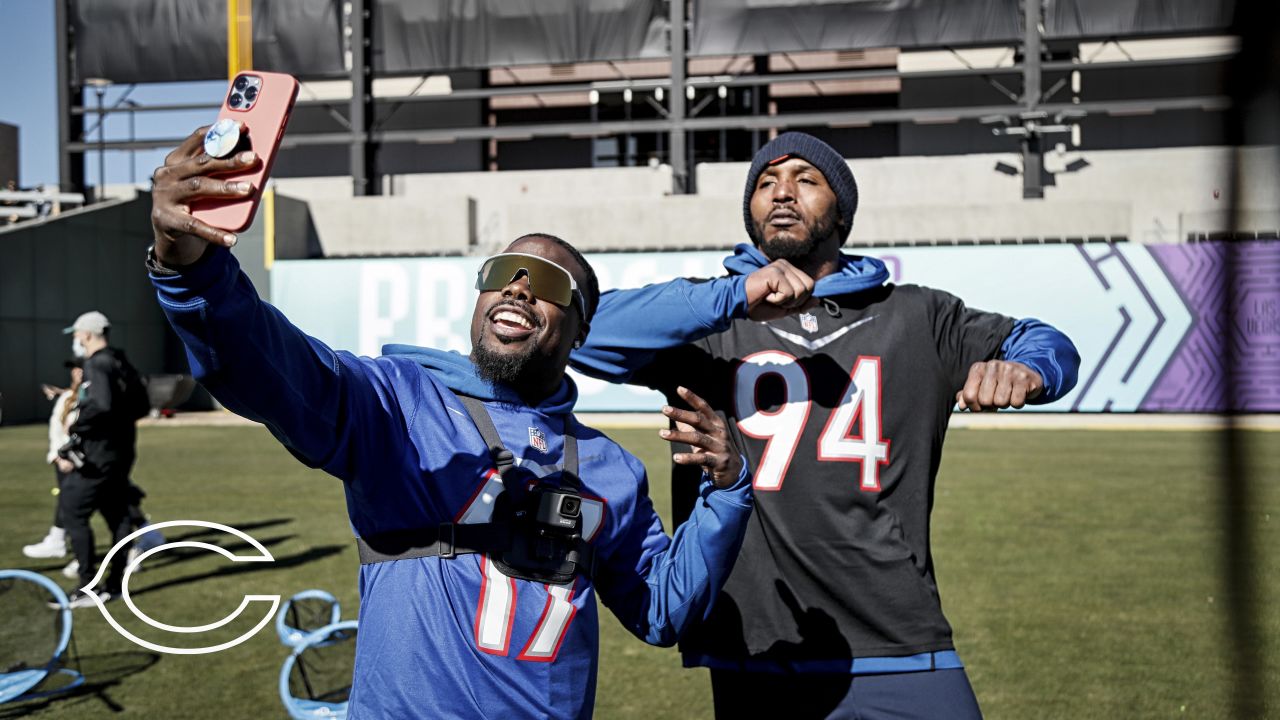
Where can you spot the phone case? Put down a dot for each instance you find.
(263, 126)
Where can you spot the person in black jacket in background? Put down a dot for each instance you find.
(102, 451)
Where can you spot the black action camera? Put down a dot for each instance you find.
(546, 527)
(557, 510)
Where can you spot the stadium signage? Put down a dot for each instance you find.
(1149, 320)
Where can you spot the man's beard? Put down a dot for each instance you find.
(506, 368)
(785, 246)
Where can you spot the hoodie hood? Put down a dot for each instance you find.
(458, 373)
(856, 273)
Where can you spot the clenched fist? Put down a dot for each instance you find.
(777, 290)
(999, 384)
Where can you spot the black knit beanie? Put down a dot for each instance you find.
(820, 155)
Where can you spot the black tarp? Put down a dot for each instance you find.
(1068, 19)
(727, 27)
(173, 40)
(129, 41)
(418, 36)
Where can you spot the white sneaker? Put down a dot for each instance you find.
(133, 555)
(72, 570)
(50, 547)
(83, 598)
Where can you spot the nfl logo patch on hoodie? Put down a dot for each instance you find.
(537, 440)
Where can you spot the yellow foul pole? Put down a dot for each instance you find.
(239, 36)
(240, 59)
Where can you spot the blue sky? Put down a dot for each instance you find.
(31, 103)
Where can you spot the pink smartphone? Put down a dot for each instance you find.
(261, 103)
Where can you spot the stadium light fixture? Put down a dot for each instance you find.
(626, 95)
(657, 94)
(593, 97)
(1076, 165)
(100, 86)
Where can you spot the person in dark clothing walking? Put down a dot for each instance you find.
(102, 450)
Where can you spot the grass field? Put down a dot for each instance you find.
(1081, 570)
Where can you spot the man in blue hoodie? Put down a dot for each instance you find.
(839, 387)
(487, 516)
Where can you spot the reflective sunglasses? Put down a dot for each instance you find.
(547, 280)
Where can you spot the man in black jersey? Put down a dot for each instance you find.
(839, 387)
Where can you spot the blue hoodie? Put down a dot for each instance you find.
(454, 638)
(630, 326)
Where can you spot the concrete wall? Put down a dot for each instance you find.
(661, 223)
(394, 225)
(1147, 196)
(494, 194)
(1157, 186)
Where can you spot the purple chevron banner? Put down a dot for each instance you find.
(1243, 319)
(1153, 323)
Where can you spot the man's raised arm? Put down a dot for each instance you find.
(327, 407)
(632, 326)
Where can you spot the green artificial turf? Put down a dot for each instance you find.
(1083, 572)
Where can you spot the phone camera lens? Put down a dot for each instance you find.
(241, 82)
(250, 93)
(236, 100)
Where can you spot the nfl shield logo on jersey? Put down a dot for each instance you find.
(809, 322)
(537, 439)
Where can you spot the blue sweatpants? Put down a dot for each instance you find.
(925, 695)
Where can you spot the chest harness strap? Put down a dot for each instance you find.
(506, 539)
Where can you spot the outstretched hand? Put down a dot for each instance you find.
(188, 174)
(706, 434)
(777, 290)
(999, 384)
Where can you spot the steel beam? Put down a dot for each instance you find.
(741, 122)
(702, 81)
(364, 174)
(70, 123)
(1032, 151)
(678, 156)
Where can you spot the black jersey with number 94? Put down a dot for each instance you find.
(841, 412)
